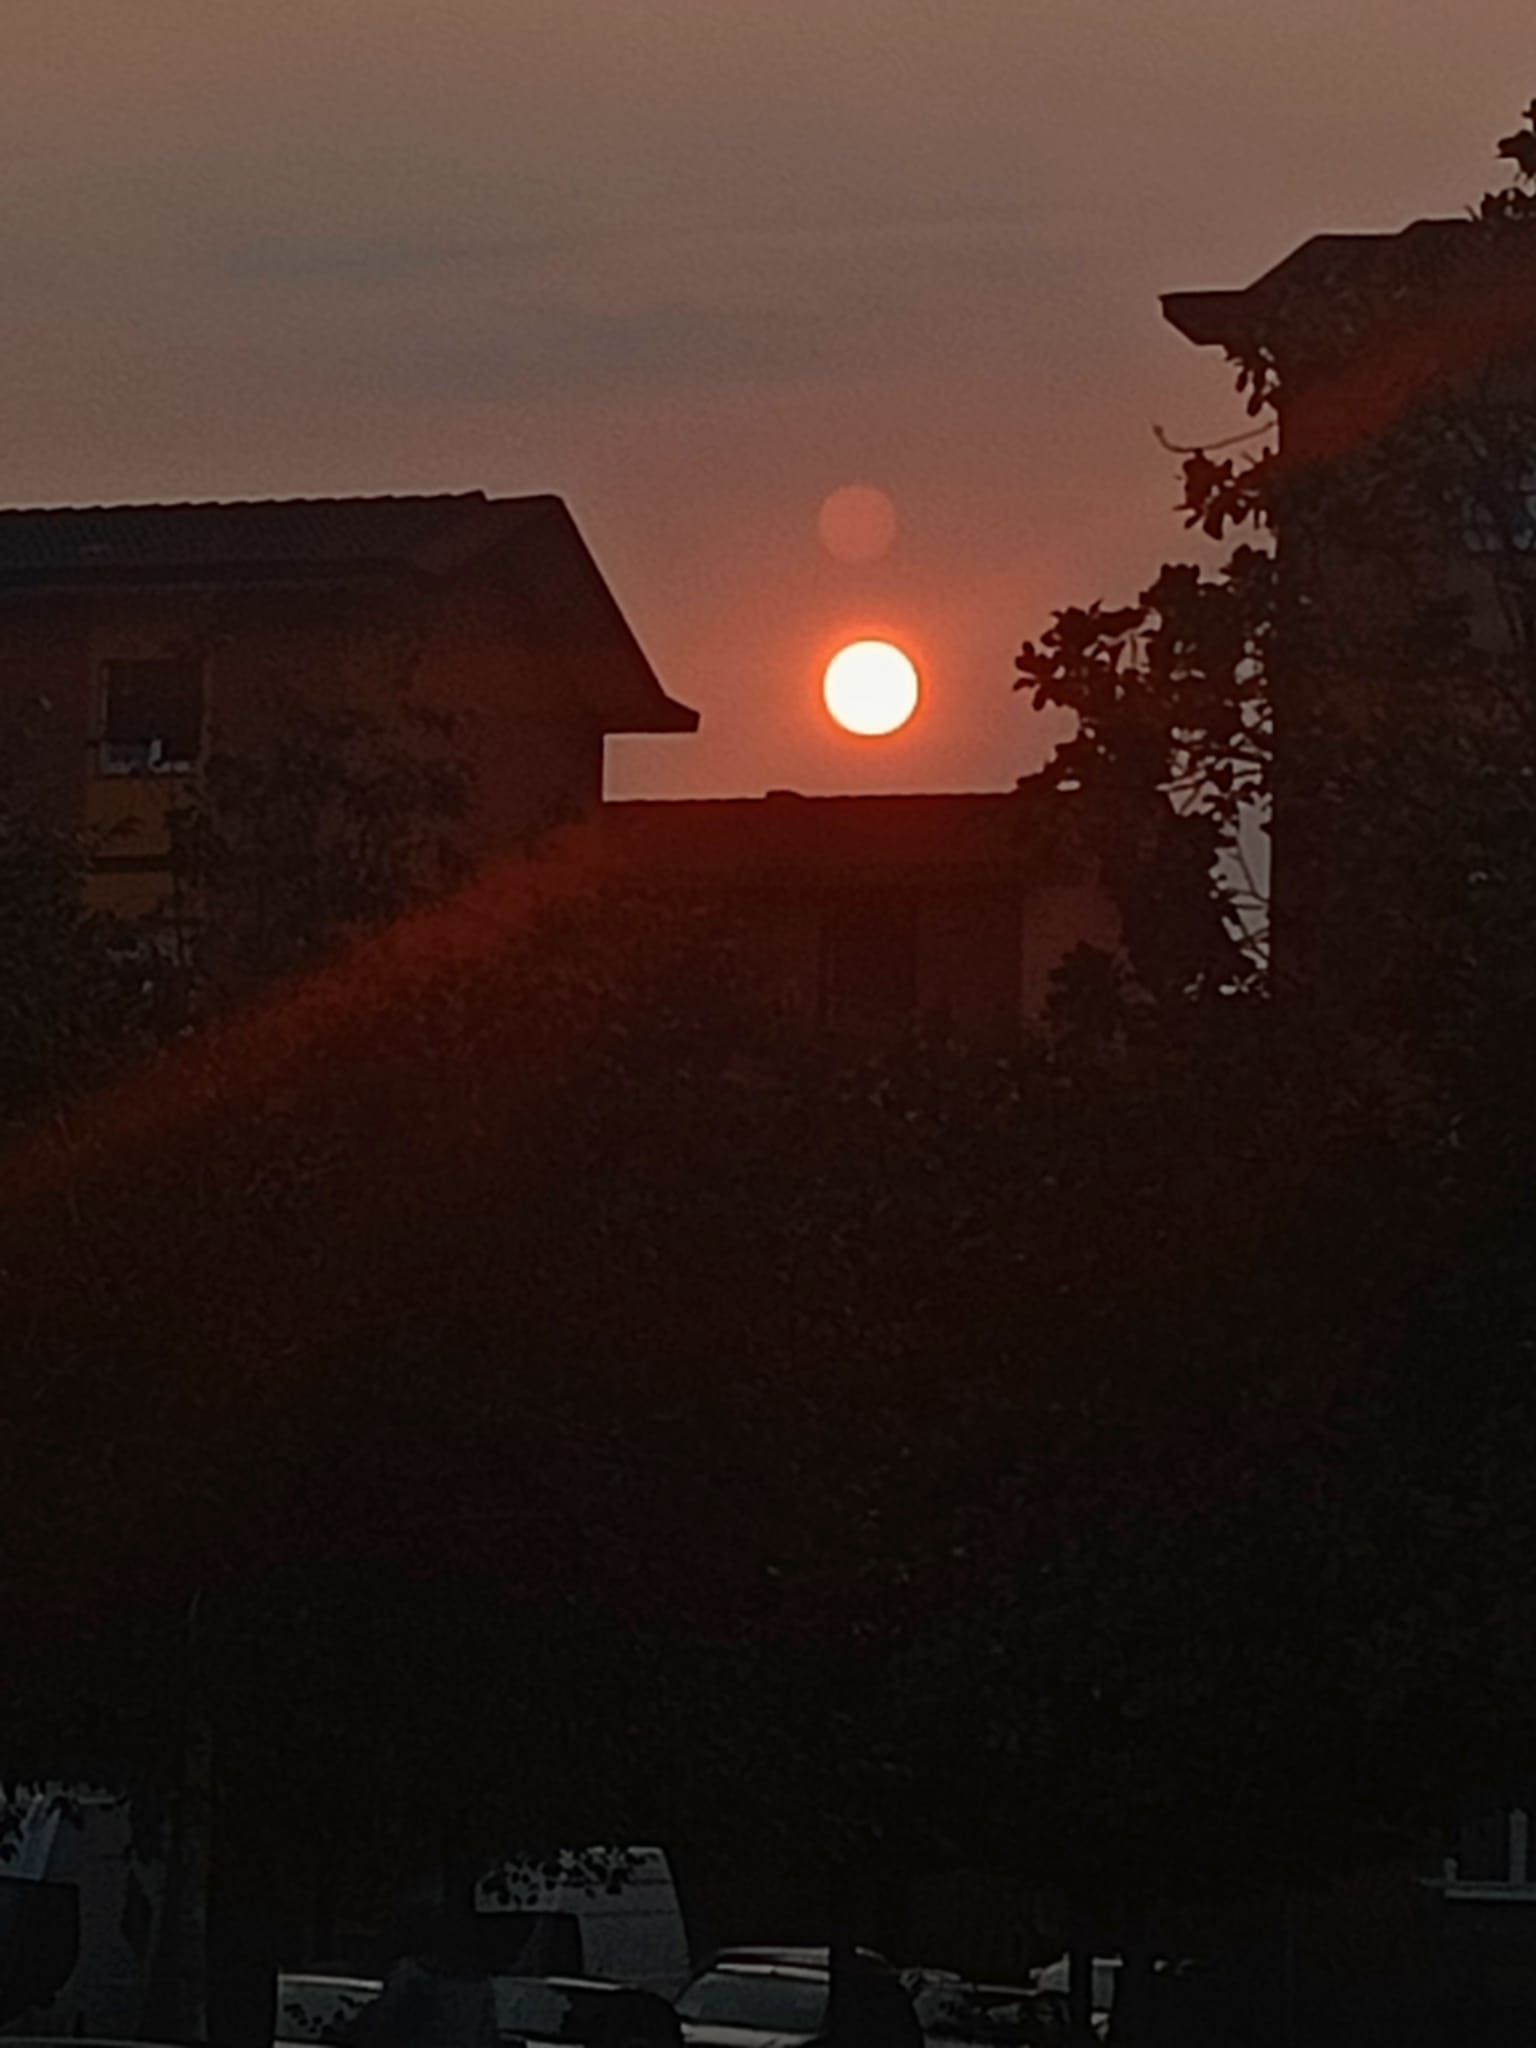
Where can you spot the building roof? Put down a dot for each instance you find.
(1360, 330)
(94, 542)
(1365, 279)
(1234, 319)
(757, 841)
(537, 545)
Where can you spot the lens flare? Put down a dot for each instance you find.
(857, 523)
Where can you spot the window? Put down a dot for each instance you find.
(152, 716)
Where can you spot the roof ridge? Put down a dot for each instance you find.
(472, 497)
(1433, 221)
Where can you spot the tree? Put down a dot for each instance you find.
(916, 1455)
(335, 822)
(547, 1374)
(1365, 689)
(340, 819)
(74, 980)
(1358, 675)
(522, 1280)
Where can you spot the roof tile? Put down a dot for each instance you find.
(271, 534)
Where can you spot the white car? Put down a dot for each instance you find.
(610, 1913)
(1057, 1977)
(310, 2008)
(531, 2011)
(754, 2005)
(953, 2012)
(778, 1998)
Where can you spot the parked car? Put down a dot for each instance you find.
(779, 1998)
(753, 2004)
(82, 1884)
(317, 2007)
(536, 2010)
(529, 2010)
(1057, 1977)
(952, 2010)
(796, 1958)
(607, 1913)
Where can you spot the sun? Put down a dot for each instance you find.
(871, 688)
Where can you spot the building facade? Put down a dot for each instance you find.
(1403, 374)
(874, 914)
(1402, 371)
(138, 642)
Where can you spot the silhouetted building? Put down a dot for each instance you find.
(1363, 327)
(1421, 344)
(869, 914)
(137, 640)
(1371, 336)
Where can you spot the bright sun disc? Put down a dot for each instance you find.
(870, 688)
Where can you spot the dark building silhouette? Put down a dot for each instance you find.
(870, 914)
(1429, 331)
(1423, 343)
(136, 640)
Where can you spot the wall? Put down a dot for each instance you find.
(537, 756)
(45, 708)
(1370, 574)
(983, 945)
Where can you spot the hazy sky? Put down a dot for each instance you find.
(694, 264)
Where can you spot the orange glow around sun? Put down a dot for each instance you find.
(871, 688)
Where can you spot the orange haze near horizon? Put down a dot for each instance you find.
(700, 266)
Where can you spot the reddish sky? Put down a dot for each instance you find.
(694, 264)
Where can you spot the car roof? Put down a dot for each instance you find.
(327, 1978)
(796, 1957)
(973, 1986)
(750, 1966)
(604, 1986)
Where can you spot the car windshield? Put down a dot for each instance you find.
(750, 1998)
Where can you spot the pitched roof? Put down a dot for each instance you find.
(539, 548)
(93, 541)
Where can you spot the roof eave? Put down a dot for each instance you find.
(194, 576)
(666, 715)
(1210, 319)
(625, 693)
